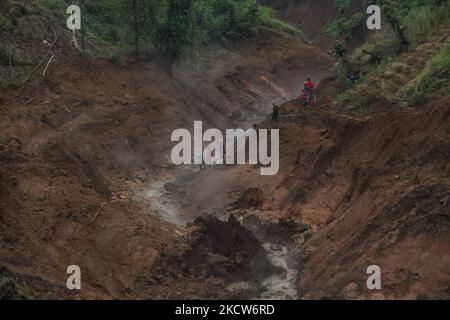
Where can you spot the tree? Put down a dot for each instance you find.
(177, 36)
(392, 11)
(136, 26)
(339, 50)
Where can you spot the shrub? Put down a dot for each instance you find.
(354, 100)
(340, 26)
(435, 76)
(267, 17)
(343, 4)
(421, 21)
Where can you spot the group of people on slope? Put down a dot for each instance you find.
(306, 96)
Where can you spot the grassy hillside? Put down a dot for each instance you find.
(408, 79)
(398, 69)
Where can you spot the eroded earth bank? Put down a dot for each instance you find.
(86, 179)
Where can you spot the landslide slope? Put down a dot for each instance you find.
(375, 190)
(314, 17)
(373, 184)
(87, 135)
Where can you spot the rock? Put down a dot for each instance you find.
(212, 258)
(276, 247)
(152, 281)
(170, 187)
(242, 285)
(252, 198)
(236, 115)
(229, 249)
(239, 259)
(378, 296)
(349, 291)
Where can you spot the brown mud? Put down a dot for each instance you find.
(85, 178)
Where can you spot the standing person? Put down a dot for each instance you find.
(307, 92)
(305, 97)
(309, 85)
(353, 79)
(310, 89)
(275, 113)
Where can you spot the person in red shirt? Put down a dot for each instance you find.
(307, 92)
(309, 86)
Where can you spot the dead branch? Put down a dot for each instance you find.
(34, 116)
(98, 212)
(44, 58)
(30, 101)
(48, 63)
(43, 120)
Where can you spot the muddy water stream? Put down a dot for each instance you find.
(281, 286)
(165, 204)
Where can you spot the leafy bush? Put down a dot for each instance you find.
(355, 101)
(421, 21)
(435, 76)
(336, 27)
(12, 56)
(354, 21)
(341, 26)
(343, 4)
(10, 289)
(267, 17)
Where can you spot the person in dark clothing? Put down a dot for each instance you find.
(275, 112)
(304, 97)
(353, 80)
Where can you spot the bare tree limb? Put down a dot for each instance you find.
(44, 58)
(98, 212)
(48, 63)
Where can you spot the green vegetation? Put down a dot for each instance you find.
(400, 67)
(421, 21)
(343, 4)
(267, 17)
(341, 26)
(355, 100)
(11, 290)
(434, 78)
(406, 80)
(175, 27)
(336, 28)
(411, 20)
(13, 64)
(11, 56)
